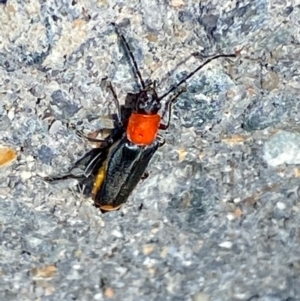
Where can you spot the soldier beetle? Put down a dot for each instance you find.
(113, 170)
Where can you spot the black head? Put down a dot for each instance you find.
(147, 101)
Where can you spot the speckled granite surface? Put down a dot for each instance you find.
(220, 218)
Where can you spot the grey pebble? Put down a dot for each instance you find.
(45, 154)
(282, 148)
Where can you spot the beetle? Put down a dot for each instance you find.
(113, 170)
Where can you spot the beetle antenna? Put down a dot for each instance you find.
(173, 88)
(136, 69)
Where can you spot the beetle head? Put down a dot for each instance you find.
(147, 101)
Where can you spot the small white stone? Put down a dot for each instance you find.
(42, 174)
(55, 127)
(25, 175)
(31, 165)
(11, 114)
(237, 200)
(76, 266)
(98, 296)
(117, 233)
(225, 200)
(280, 205)
(29, 158)
(226, 245)
(230, 216)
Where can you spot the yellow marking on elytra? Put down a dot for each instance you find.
(99, 180)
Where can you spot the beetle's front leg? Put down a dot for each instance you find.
(168, 108)
(116, 100)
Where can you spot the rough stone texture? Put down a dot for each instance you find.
(218, 223)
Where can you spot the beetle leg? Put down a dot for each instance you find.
(161, 140)
(168, 108)
(145, 175)
(64, 177)
(116, 100)
(104, 142)
(90, 168)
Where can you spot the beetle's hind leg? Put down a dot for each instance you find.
(85, 186)
(145, 175)
(168, 108)
(161, 140)
(104, 142)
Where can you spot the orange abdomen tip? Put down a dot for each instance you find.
(109, 207)
(142, 129)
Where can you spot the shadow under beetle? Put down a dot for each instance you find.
(113, 169)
